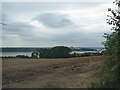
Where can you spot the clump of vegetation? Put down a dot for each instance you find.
(22, 56)
(8, 57)
(85, 54)
(60, 52)
(90, 54)
(112, 46)
(55, 52)
(17, 56)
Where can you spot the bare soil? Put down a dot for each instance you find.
(51, 73)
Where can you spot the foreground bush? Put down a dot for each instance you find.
(112, 46)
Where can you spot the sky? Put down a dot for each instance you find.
(44, 24)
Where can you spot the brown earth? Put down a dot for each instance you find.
(51, 73)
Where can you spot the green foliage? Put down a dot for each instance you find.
(90, 54)
(55, 52)
(21, 56)
(112, 46)
(108, 82)
(85, 54)
(61, 51)
(45, 53)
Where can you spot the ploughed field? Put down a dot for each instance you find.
(51, 73)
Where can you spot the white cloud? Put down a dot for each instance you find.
(36, 24)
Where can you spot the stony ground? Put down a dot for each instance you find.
(51, 73)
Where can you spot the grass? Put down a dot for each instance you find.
(108, 80)
(53, 84)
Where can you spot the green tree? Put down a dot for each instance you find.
(60, 52)
(112, 46)
(45, 53)
(55, 52)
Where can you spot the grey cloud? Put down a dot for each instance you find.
(58, 21)
(17, 26)
(80, 39)
(54, 20)
(74, 38)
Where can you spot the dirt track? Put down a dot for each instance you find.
(50, 73)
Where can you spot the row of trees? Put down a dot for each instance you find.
(59, 52)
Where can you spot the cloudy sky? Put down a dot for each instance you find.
(42, 24)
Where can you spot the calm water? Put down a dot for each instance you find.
(14, 53)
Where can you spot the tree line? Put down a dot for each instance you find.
(59, 52)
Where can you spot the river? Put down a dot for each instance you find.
(3, 54)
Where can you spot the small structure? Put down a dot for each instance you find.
(35, 55)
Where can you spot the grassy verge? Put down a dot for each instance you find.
(53, 84)
(108, 79)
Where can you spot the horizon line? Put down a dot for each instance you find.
(43, 46)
